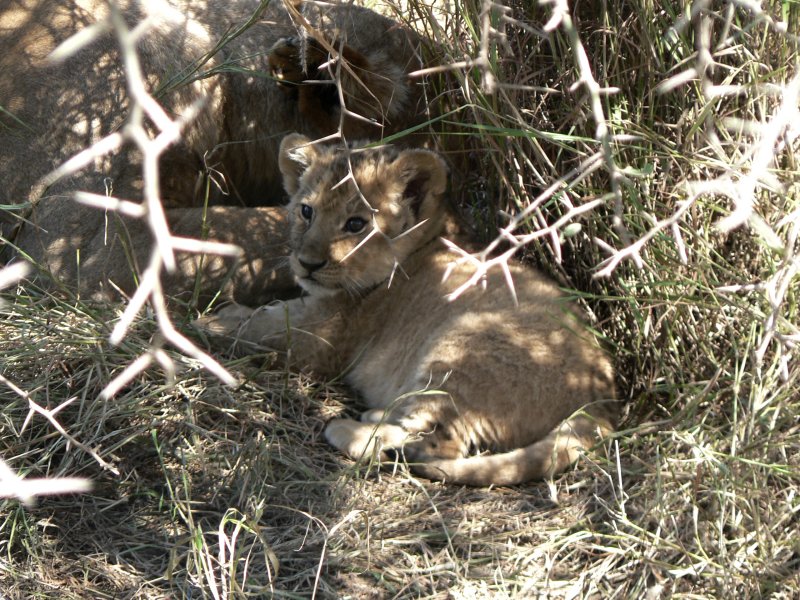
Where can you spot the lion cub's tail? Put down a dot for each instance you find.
(552, 454)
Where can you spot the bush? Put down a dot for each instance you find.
(644, 154)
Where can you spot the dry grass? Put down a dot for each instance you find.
(235, 489)
(210, 491)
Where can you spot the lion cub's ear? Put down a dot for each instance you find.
(295, 156)
(424, 175)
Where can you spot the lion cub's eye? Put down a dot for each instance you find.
(355, 224)
(306, 211)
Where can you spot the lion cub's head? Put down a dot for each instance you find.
(356, 214)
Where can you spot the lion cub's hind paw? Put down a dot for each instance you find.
(358, 440)
(375, 415)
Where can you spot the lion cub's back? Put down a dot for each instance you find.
(530, 359)
(517, 370)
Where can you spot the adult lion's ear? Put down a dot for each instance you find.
(424, 175)
(295, 156)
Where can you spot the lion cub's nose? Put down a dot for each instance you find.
(312, 266)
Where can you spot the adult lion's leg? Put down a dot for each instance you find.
(101, 254)
(259, 275)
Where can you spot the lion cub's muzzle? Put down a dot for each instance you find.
(312, 275)
(310, 267)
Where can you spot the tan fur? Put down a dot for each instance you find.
(479, 390)
(274, 78)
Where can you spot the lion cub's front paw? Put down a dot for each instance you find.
(251, 329)
(227, 322)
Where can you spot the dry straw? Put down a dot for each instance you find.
(646, 154)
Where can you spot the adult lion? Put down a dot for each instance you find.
(259, 82)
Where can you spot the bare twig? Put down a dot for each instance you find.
(25, 490)
(50, 416)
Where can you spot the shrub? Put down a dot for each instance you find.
(645, 155)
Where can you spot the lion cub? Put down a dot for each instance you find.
(478, 390)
